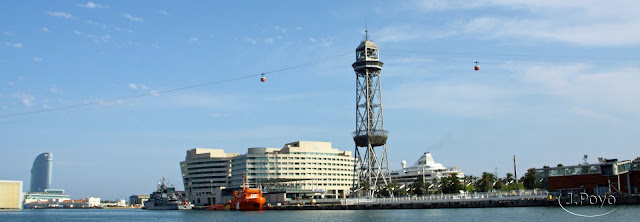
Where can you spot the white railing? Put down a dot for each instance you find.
(475, 196)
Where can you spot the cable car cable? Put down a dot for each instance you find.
(509, 62)
(177, 89)
(513, 55)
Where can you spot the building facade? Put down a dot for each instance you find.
(607, 176)
(301, 169)
(138, 200)
(10, 194)
(89, 202)
(205, 172)
(48, 198)
(41, 172)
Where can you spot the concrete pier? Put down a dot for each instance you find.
(515, 201)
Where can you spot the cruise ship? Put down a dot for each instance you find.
(425, 168)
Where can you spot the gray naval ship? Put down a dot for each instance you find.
(167, 198)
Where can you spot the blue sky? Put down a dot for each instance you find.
(558, 79)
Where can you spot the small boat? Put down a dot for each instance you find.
(247, 199)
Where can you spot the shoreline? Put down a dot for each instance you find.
(492, 203)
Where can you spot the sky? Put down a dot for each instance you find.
(118, 91)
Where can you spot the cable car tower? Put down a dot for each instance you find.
(372, 166)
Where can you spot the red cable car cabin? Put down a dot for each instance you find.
(262, 79)
(477, 66)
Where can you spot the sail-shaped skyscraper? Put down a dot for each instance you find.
(41, 172)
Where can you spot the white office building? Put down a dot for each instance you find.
(305, 169)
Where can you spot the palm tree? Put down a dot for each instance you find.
(435, 183)
(485, 183)
(529, 179)
(509, 181)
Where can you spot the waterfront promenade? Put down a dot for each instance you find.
(524, 198)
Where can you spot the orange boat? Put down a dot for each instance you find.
(247, 199)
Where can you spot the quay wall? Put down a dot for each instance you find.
(462, 203)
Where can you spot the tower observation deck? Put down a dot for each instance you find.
(372, 167)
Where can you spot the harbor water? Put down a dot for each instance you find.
(620, 213)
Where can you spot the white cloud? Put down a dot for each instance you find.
(163, 12)
(153, 92)
(45, 29)
(93, 5)
(10, 83)
(90, 22)
(326, 42)
(60, 14)
(589, 22)
(595, 115)
(313, 40)
(298, 28)
(537, 90)
(53, 89)
(8, 33)
(252, 41)
(133, 86)
(98, 38)
(142, 86)
(268, 40)
(37, 59)
(452, 98)
(132, 18)
(94, 38)
(220, 115)
(14, 45)
(122, 29)
(26, 99)
(400, 33)
(194, 40)
(283, 30)
(591, 33)
(611, 89)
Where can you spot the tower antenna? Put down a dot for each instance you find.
(366, 31)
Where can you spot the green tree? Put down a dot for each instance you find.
(509, 181)
(393, 188)
(451, 184)
(419, 187)
(435, 186)
(560, 165)
(468, 183)
(529, 179)
(402, 190)
(498, 183)
(485, 183)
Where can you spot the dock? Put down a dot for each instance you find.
(531, 199)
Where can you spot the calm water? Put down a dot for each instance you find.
(622, 213)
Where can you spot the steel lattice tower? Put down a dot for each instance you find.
(372, 167)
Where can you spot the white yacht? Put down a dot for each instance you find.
(425, 168)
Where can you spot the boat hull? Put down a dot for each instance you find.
(152, 206)
(254, 204)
